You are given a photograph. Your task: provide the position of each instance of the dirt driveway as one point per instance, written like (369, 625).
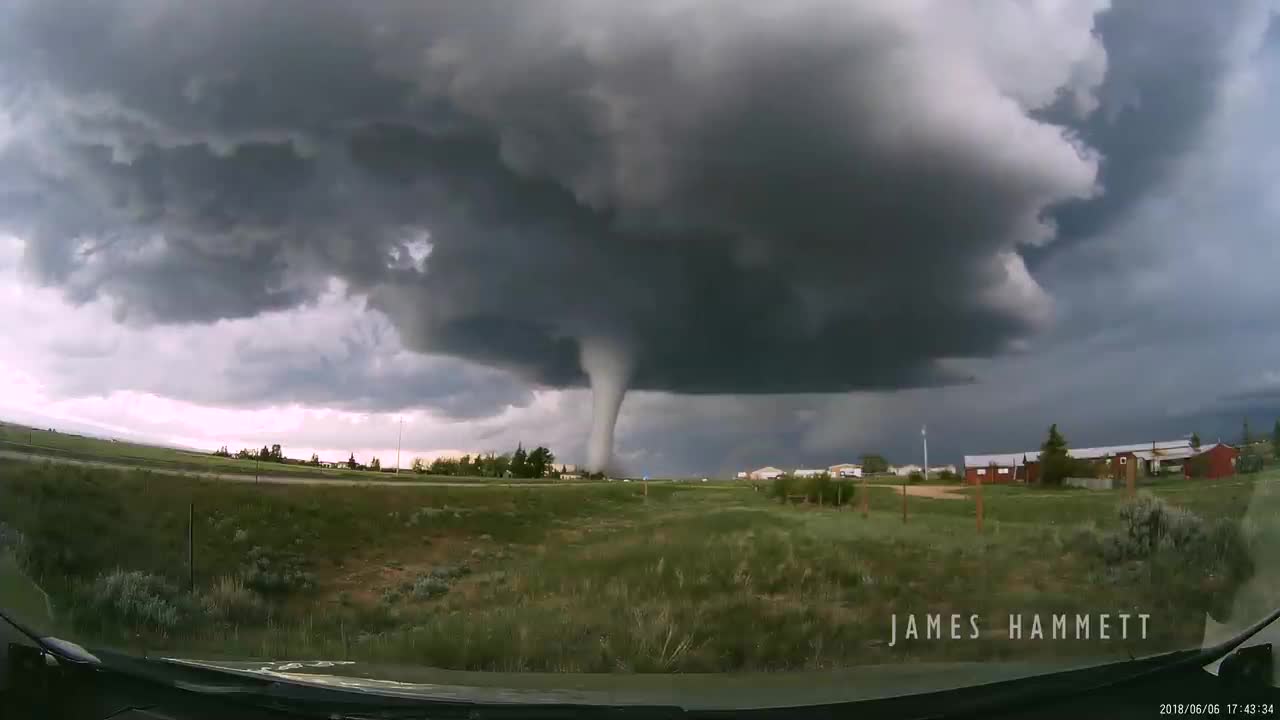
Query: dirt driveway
(937, 492)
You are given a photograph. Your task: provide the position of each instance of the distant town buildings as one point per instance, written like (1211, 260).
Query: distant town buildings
(1114, 461)
(845, 470)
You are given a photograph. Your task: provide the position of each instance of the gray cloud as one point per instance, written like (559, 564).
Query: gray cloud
(1166, 67)
(329, 353)
(822, 198)
(737, 199)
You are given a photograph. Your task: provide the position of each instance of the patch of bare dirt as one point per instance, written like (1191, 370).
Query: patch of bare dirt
(937, 492)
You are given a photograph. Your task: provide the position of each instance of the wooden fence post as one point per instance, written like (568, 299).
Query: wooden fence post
(864, 496)
(191, 547)
(979, 499)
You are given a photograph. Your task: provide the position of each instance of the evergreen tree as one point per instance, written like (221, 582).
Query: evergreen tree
(519, 462)
(1055, 462)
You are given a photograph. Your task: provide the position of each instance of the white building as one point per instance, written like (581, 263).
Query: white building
(766, 473)
(742, 475)
(845, 470)
(905, 470)
(809, 472)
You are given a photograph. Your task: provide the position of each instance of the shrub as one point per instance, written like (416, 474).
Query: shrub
(429, 586)
(916, 477)
(813, 488)
(1151, 526)
(778, 487)
(842, 492)
(1145, 519)
(133, 598)
(450, 572)
(229, 600)
(276, 573)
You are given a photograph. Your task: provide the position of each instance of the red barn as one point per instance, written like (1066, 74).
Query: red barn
(1213, 462)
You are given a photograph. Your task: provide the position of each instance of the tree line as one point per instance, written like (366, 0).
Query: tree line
(536, 463)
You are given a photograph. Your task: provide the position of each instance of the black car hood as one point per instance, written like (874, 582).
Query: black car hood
(689, 690)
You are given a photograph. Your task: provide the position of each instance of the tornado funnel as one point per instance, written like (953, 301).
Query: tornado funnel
(607, 364)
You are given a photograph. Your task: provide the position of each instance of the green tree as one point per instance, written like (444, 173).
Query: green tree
(1195, 440)
(1055, 463)
(265, 453)
(444, 466)
(539, 462)
(1245, 437)
(464, 465)
(315, 459)
(351, 462)
(418, 466)
(1275, 440)
(872, 463)
(277, 454)
(519, 462)
(375, 465)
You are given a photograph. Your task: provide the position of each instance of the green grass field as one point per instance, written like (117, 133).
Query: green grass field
(596, 577)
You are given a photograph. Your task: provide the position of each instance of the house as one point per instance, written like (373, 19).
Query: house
(1115, 461)
(565, 469)
(809, 472)
(766, 473)
(845, 470)
(905, 470)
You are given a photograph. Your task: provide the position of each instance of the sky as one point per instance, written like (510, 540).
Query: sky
(788, 234)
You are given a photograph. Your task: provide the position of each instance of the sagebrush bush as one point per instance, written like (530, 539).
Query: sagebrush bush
(134, 599)
(277, 573)
(230, 600)
(1151, 525)
(429, 586)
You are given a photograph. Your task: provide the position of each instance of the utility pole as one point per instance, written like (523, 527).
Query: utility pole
(399, 437)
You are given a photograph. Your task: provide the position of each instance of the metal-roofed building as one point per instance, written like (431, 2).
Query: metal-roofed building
(1114, 460)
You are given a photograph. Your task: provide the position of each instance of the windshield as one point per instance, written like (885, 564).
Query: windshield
(631, 338)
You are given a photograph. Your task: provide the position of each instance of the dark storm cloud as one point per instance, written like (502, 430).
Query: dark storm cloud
(736, 200)
(1166, 63)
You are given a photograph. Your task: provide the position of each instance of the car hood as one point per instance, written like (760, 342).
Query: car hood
(687, 690)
